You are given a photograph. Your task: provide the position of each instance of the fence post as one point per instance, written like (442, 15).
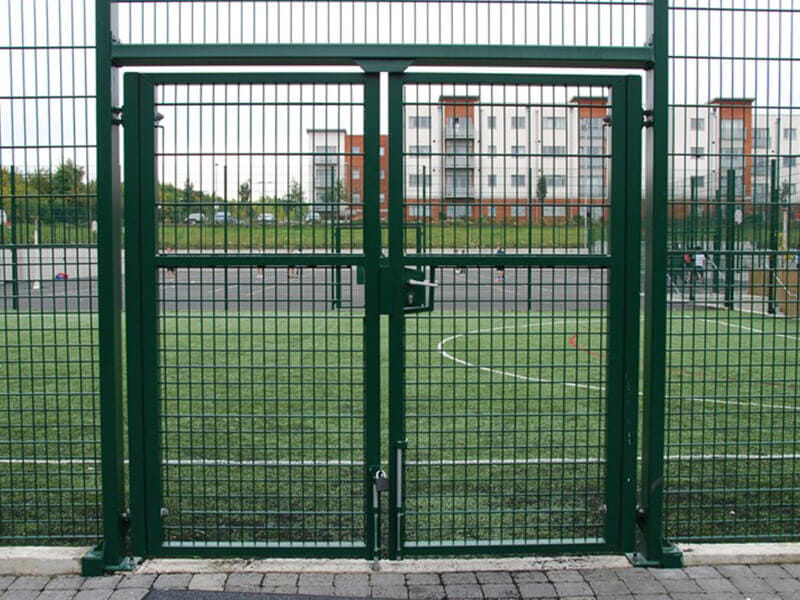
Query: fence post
(110, 554)
(773, 235)
(651, 547)
(730, 237)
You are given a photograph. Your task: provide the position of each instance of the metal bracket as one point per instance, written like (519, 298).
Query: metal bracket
(376, 65)
(647, 118)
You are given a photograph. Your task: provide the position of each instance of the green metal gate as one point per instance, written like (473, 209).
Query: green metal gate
(255, 342)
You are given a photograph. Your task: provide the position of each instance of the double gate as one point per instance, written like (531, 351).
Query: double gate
(278, 311)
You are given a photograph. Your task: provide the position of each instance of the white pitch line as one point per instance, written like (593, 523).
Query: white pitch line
(447, 355)
(753, 329)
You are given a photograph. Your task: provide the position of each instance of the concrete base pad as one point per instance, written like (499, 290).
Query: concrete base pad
(709, 555)
(39, 560)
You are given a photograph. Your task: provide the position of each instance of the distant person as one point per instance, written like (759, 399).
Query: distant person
(500, 269)
(699, 264)
(687, 267)
(294, 270)
(460, 266)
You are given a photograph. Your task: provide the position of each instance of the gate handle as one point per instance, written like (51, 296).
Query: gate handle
(422, 283)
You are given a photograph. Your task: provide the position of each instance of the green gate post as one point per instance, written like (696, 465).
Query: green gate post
(774, 226)
(652, 547)
(110, 555)
(530, 237)
(14, 265)
(730, 238)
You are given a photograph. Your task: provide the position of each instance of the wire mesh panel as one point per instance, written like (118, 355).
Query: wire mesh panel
(448, 22)
(259, 344)
(49, 433)
(510, 405)
(732, 370)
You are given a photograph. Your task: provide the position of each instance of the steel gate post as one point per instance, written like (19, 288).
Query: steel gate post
(652, 549)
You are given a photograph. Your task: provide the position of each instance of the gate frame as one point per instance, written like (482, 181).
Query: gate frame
(651, 547)
(621, 396)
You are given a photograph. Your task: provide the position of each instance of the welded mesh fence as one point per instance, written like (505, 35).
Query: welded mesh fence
(49, 435)
(732, 399)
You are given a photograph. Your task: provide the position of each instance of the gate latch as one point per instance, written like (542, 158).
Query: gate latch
(380, 481)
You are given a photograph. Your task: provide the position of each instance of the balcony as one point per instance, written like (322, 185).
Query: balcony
(462, 161)
(460, 191)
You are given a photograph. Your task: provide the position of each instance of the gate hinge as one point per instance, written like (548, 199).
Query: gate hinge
(647, 118)
(116, 118)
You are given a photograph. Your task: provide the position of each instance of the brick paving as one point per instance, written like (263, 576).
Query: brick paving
(735, 582)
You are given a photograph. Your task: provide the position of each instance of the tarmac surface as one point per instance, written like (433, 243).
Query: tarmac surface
(734, 582)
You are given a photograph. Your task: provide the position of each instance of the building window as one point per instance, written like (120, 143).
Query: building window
(697, 124)
(554, 123)
(416, 180)
(731, 161)
(517, 122)
(419, 149)
(383, 173)
(382, 198)
(591, 163)
(493, 149)
(554, 211)
(760, 193)
(518, 180)
(697, 151)
(492, 180)
(732, 129)
(418, 210)
(591, 186)
(491, 122)
(790, 161)
(738, 189)
(592, 150)
(697, 181)
(554, 150)
(356, 173)
(590, 127)
(517, 150)
(760, 165)
(417, 122)
(519, 211)
(761, 137)
(554, 181)
(491, 211)
(382, 151)
(356, 150)
(356, 197)
(790, 133)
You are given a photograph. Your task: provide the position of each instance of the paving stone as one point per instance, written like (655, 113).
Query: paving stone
(751, 584)
(138, 581)
(531, 576)
(599, 575)
(5, 581)
(644, 585)
(793, 570)
(99, 594)
(351, 580)
(280, 589)
(463, 590)
(716, 585)
(564, 576)
(280, 580)
(494, 577)
(459, 578)
(782, 584)
(20, 595)
(569, 589)
(209, 582)
(702, 572)
(731, 571)
(315, 590)
(537, 590)
(29, 583)
(243, 582)
(172, 581)
(356, 592)
(772, 571)
(500, 590)
(57, 595)
(681, 586)
(315, 579)
(608, 586)
(129, 594)
(398, 592)
(65, 582)
(423, 579)
(426, 592)
(387, 579)
(651, 597)
(664, 574)
(109, 582)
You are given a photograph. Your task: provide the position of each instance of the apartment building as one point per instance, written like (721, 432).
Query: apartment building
(466, 157)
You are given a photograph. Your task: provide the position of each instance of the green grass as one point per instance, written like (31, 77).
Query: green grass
(251, 395)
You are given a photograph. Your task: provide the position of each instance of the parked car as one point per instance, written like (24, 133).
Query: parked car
(265, 218)
(195, 219)
(221, 218)
(313, 217)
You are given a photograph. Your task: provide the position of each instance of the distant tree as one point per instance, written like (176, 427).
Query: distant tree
(541, 189)
(67, 183)
(245, 192)
(294, 201)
